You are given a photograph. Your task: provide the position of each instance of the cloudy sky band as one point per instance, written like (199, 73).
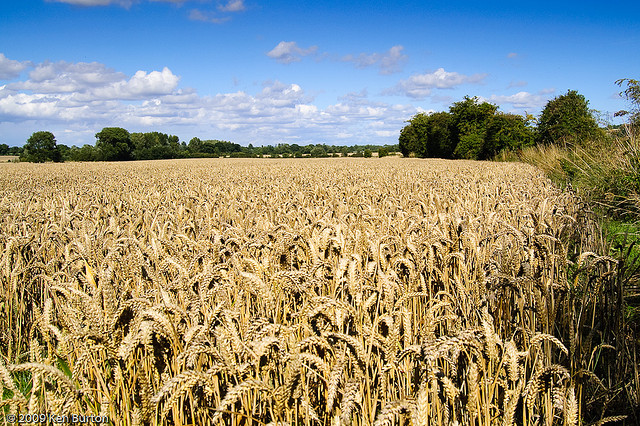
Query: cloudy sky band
(261, 73)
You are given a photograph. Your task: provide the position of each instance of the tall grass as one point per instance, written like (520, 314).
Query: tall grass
(605, 171)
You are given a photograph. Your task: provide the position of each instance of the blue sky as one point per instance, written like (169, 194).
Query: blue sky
(250, 71)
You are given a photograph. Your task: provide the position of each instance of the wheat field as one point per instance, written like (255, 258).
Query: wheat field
(299, 292)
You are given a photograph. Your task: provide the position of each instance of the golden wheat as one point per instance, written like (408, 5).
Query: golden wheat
(289, 292)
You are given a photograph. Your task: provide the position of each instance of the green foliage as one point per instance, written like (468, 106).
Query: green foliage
(86, 153)
(155, 145)
(41, 147)
(367, 153)
(469, 122)
(632, 94)
(567, 119)
(471, 129)
(439, 135)
(318, 151)
(114, 144)
(383, 152)
(413, 137)
(506, 131)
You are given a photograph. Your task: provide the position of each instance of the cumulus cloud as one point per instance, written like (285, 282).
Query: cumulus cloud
(64, 95)
(10, 68)
(287, 52)
(522, 100)
(388, 62)
(96, 81)
(421, 85)
(65, 77)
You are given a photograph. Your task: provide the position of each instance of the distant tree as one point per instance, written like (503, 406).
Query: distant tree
(41, 147)
(383, 152)
(16, 150)
(114, 144)
(4, 149)
(155, 145)
(86, 153)
(195, 145)
(318, 151)
(65, 152)
(567, 118)
(367, 153)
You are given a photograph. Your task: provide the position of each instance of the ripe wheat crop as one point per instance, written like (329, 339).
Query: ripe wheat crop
(288, 292)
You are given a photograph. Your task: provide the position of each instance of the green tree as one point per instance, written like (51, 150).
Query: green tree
(469, 120)
(195, 145)
(114, 144)
(632, 94)
(367, 153)
(383, 152)
(567, 118)
(413, 138)
(154, 145)
(41, 147)
(506, 131)
(318, 151)
(439, 135)
(86, 153)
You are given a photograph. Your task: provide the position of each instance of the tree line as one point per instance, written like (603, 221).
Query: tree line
(471, 129)
(477, 130)
(117, 144)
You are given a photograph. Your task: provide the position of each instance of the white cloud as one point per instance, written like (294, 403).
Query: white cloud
(287, 52)
(421, 85)
(521, 100)
(512, 55)
(10, 68)
(233, 6)
(89, 96)
(388, 62)
(90, 81)
(65, 77)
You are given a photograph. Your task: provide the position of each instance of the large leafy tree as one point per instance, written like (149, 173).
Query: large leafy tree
(470, 118)
(41, 147)
(568, 119)
(114, 144)
(506, 131)
(471, 129)
(413, 139)
(439, 135)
